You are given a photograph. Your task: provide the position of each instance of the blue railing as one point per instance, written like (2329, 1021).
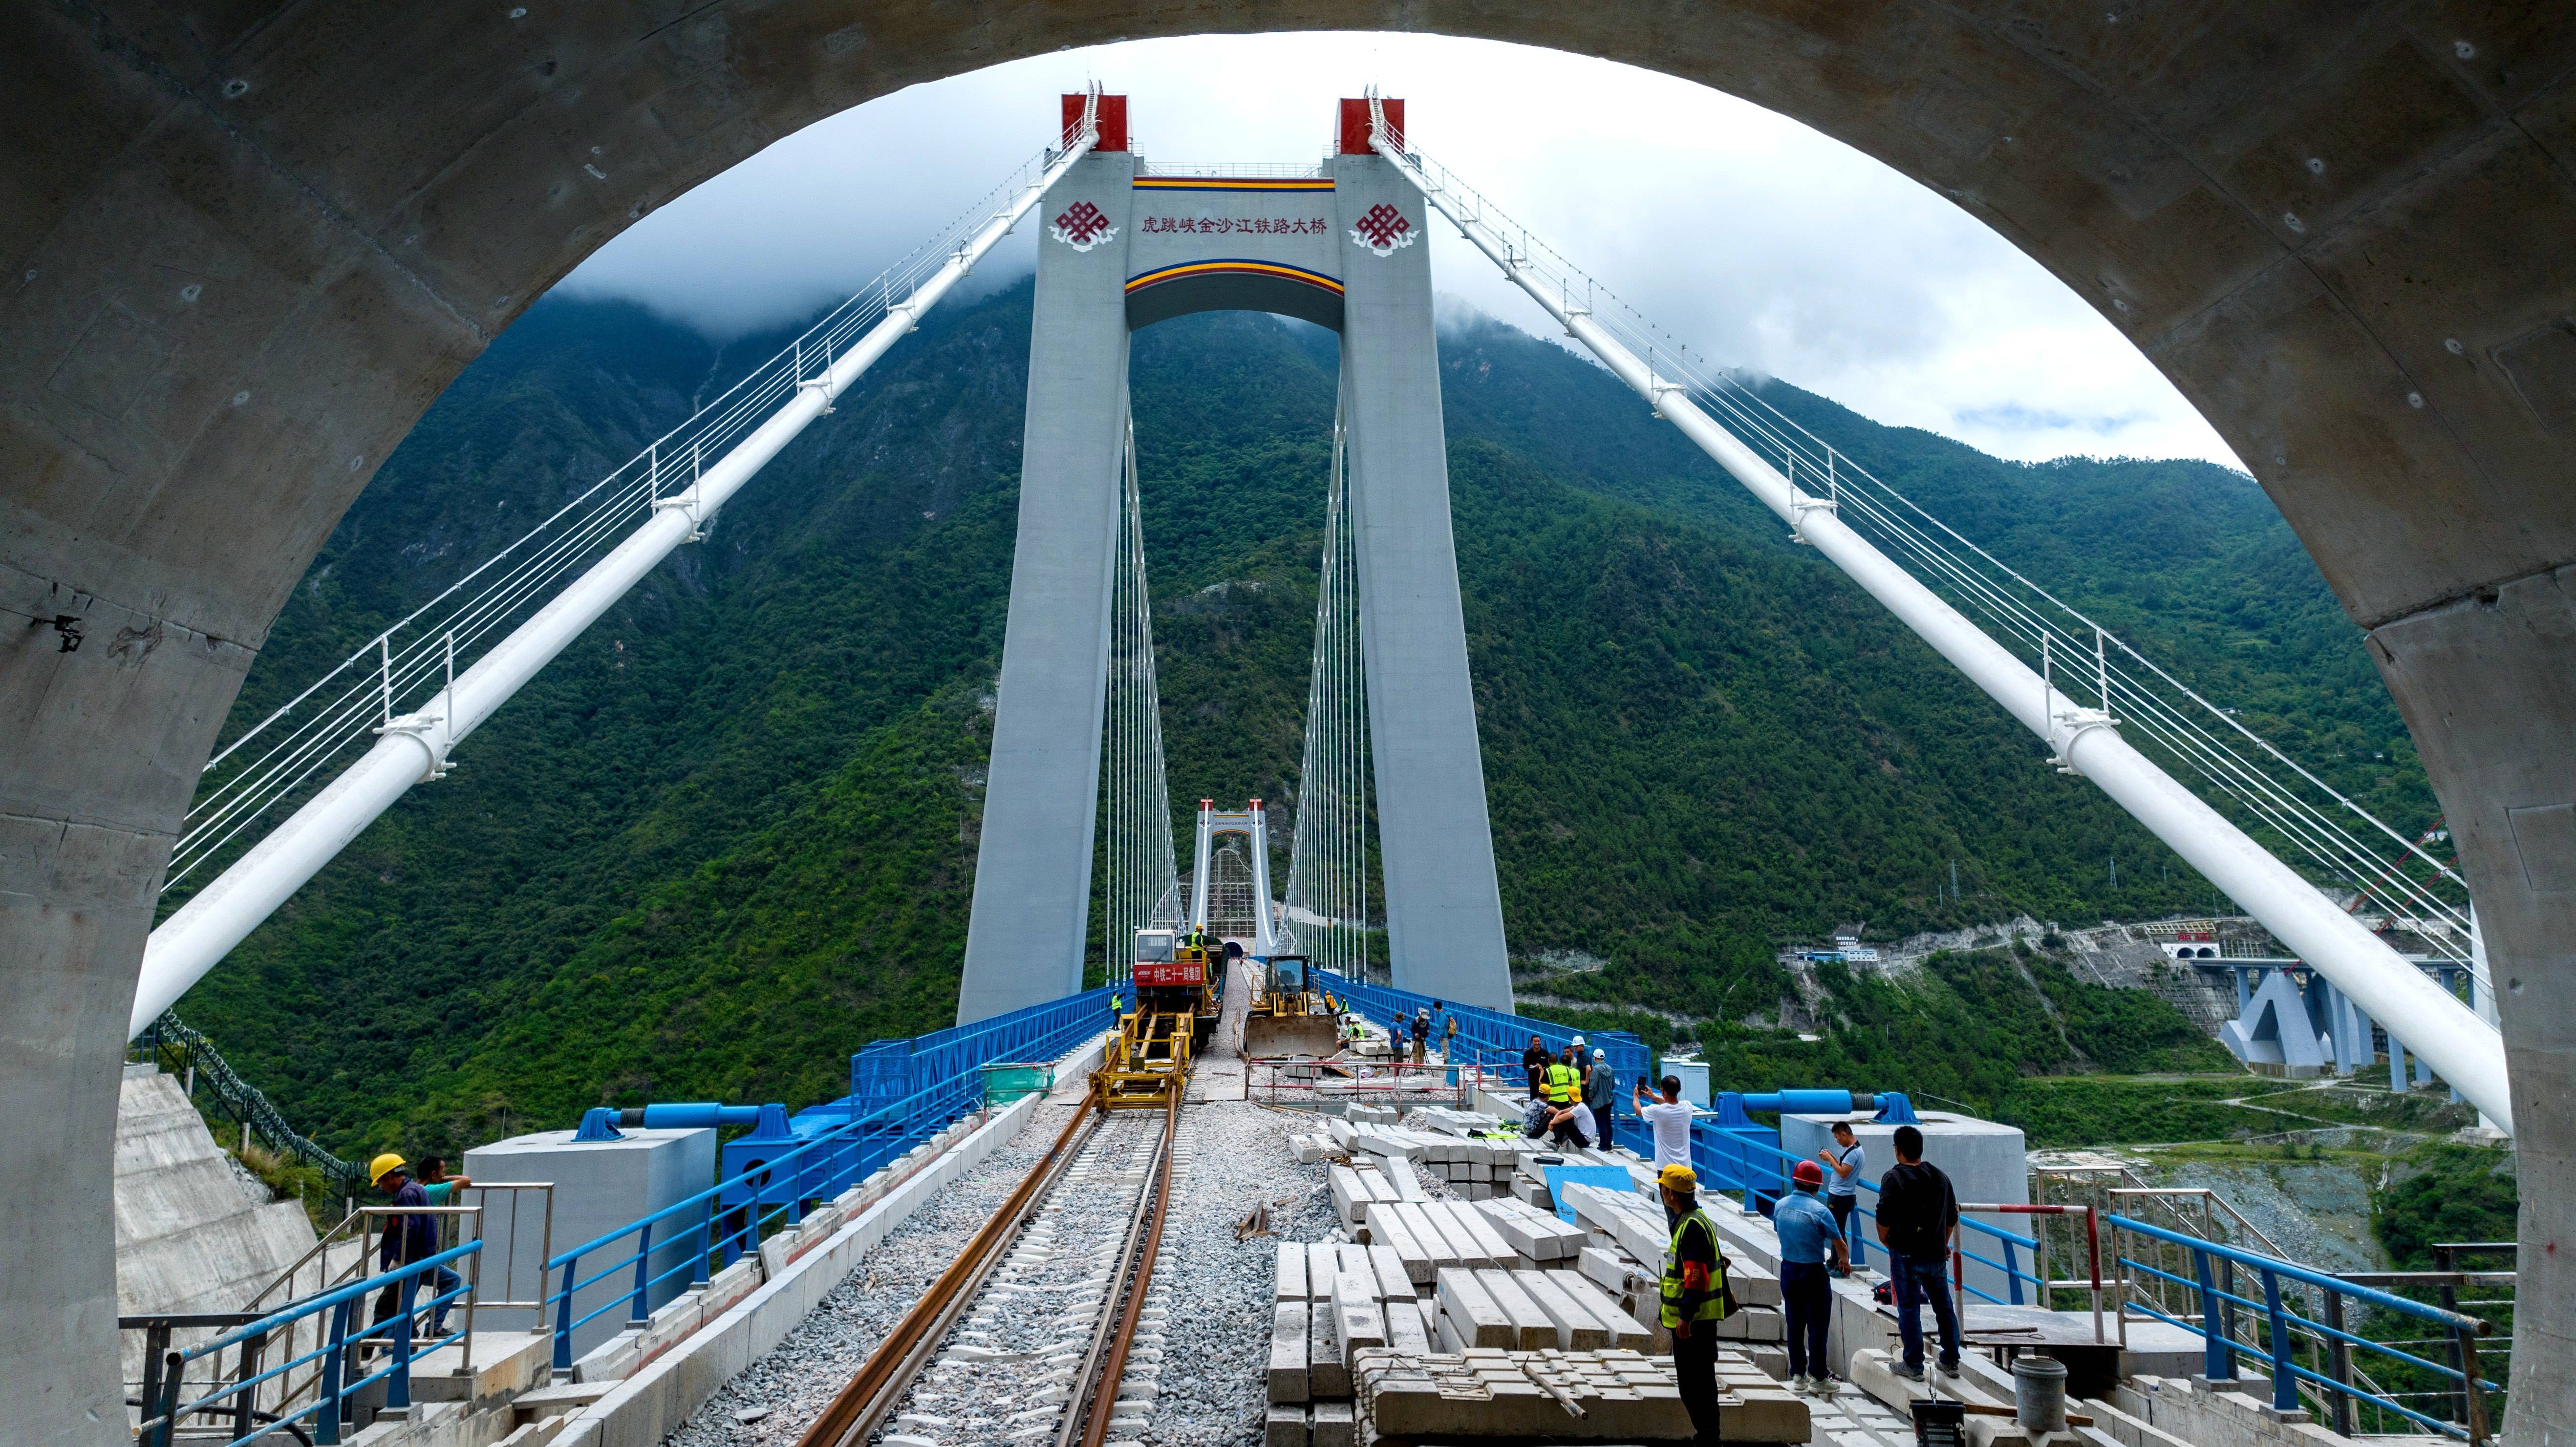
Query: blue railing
(773, 1193)
(1492, 1038)
(2283, 1328)
(339, 1356)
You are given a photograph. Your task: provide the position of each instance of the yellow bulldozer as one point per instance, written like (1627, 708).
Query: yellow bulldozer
(1287, 1016)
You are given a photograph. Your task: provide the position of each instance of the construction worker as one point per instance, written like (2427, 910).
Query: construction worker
(1812, 1247)
(1117, 1006)
(1564, 1083)
(1598, 1082)
(408, 1239)
(1695, 1297)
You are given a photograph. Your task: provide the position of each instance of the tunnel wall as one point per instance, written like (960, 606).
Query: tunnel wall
(247, 244)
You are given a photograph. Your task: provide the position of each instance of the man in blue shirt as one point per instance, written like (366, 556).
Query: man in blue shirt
(1810, 1245)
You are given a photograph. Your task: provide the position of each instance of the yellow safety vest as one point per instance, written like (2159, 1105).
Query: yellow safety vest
(1720, 1302)
(1561, 1083)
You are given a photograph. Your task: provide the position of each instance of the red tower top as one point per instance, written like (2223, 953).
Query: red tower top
(1113, 120)
(1355, 125)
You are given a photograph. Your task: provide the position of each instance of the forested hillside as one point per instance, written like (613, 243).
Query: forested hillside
(730, 836)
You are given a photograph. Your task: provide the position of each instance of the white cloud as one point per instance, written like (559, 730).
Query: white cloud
(1761, 242)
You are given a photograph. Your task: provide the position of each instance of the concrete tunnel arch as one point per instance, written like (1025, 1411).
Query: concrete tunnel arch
(246, 247)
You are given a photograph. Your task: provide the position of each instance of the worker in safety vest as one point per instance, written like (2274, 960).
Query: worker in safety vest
(1695, 1297)
(1563, 1082)
(1117, 1004)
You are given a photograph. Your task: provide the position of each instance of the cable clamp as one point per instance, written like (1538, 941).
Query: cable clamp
(1801, 504)
(2067, 727)
(686, 503)
(818, 384)
(428, 732)
(1655, 395)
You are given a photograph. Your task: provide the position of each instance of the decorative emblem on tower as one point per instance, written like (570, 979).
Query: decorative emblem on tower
(1383, 230)
(1082, 227)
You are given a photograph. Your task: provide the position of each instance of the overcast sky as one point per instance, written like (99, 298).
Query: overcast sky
(1763, 243)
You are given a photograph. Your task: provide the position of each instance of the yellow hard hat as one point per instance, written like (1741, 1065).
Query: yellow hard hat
(1678, 1177)
(382, 1165)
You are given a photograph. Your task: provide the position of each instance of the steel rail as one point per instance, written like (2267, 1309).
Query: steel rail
(882, 1381)
(2463, 1048)
(1100, 1378)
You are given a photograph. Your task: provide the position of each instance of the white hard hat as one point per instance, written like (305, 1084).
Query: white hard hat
(1600, 1054)
(1579, 1040)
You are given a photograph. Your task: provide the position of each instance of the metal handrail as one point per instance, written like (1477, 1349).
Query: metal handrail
(2284, 1328)
(163, 1409)
(782, 1178)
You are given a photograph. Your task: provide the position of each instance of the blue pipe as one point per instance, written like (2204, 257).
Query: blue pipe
(689, 1115)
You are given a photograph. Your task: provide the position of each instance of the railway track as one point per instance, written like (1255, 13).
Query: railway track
(1074, 1207)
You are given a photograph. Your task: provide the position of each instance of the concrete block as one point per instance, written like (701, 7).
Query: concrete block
(1400, 1174)
(1327, 1371)
(1489, 1243)
(1577, 1329)
(1625, 1333)
(1322, 1261)
(1357, 1322)
(1393, 1280)
(1288, 1352)
(1332, 1425)
(1754, 1323)
(1435, 1243)
(599, 1187)
(1387, 1231)
(1606, 1268)
(1532, 1330)
(1471, 1310)
(1290, 1281)
(1284, 1427)
(1407, 1330)
(1349, 1193)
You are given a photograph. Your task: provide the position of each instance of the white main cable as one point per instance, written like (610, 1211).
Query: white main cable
(2465, 1049)
(416, 745)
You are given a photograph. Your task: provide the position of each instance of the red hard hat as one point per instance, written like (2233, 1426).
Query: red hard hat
(1808, 1174)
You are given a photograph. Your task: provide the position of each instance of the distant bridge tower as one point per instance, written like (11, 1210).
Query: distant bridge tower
(1124, 249)
(1253, 823)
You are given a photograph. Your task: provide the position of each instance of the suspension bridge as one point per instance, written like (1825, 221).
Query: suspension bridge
(1390, 790)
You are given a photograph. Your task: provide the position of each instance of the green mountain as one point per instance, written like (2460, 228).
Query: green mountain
(730, 835)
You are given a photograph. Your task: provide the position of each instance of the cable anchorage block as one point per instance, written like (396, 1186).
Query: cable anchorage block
(2069, 725)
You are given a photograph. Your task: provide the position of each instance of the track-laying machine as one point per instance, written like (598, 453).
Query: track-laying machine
(1178, 986)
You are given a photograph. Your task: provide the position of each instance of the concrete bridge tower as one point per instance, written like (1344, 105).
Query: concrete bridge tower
(1125, 248)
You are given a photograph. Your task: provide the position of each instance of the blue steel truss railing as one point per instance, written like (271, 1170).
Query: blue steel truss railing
(2280, 1332)
(774, 1193)
(339, 1355)
(1491, 1037)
